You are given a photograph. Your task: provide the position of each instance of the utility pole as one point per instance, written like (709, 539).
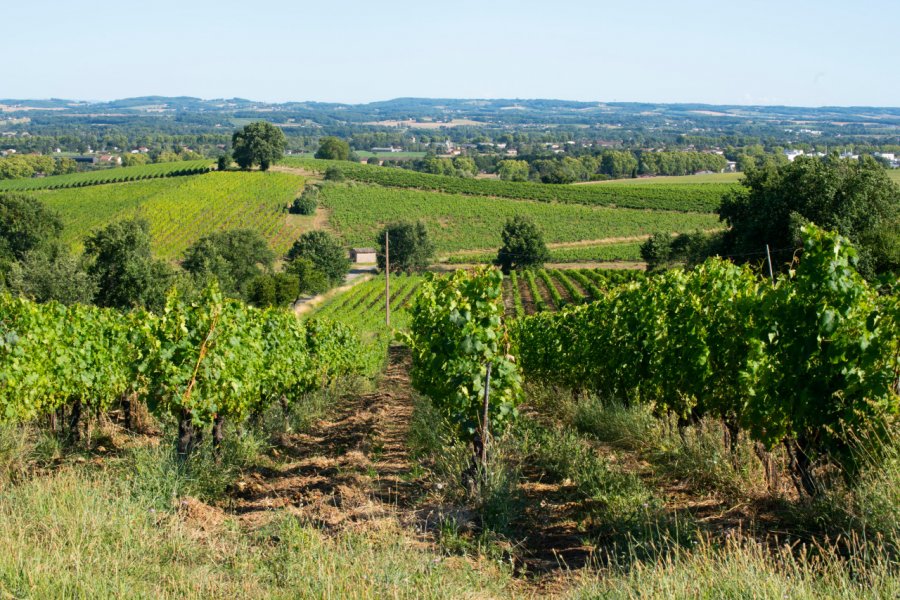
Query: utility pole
(387, 279)
(771, 273)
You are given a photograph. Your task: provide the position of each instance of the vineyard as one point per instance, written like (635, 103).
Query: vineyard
(362, 309)
(811, 363)
(65, 362)
(584, 252)
(703, 197)
(181, 210)
(458, 222)
(530, 292)
(114, 175)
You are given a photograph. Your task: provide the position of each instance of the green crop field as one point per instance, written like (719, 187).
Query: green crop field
(104, 176)
(625, 251)
(180, 210)
(703, 197)
(459, 222)
(362, 308)
(895, 175)
(675, 179)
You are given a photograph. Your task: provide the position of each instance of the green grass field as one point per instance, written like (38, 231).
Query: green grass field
(180, 210)
(457, 222)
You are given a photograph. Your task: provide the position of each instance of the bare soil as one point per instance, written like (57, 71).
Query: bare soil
(349, 471)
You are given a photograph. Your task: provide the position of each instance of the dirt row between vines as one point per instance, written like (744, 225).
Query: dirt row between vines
(353, 471)
(350, 470)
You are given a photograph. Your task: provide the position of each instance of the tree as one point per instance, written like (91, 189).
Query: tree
(278, 289)
(65, 166)
(657, 250)
(854, 198)
(332, 148)
(233, 257)
(410, 247)
(523, 245)
(463, 166)
(259, 143)
(306, 277)
(133, 160)
(25, 224)
(514, 170)
(54, 274)
(223, 163)
(325, 252)
(121, 264)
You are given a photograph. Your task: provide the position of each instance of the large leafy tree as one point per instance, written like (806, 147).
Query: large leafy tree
(121, 263)
(332, 148)
(855, 198)
(233, 257)
(52, 274)
(25, 224)
(324, 251)
(514, 170)
(523, 245)
(410, 247)
(259, 143)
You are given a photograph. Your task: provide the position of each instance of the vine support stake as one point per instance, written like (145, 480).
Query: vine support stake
(771, 272)
(485, 422)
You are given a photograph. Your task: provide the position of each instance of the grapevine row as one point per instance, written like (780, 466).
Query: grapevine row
(114, 175)
(200, 361)
(812, 362)
(704, 197)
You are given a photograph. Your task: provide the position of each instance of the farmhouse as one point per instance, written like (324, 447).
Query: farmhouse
(362, 255)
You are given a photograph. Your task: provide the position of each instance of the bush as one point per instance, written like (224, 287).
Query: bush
(334, 173)
(306, 203)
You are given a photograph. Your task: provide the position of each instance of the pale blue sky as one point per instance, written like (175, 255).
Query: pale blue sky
(797, 52)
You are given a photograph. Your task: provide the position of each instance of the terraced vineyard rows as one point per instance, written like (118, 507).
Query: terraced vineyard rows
(362, 308)
(625, 251)
(182, 210)
(460, 222)
(704, 197)
(114, 175)
(530, 292)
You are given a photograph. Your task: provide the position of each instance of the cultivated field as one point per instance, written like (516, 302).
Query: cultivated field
(113, 175)
(462, 222)
(703, 197)
(182, 209)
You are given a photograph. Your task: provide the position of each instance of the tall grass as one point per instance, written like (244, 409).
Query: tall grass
(74, 534)
(743, 568)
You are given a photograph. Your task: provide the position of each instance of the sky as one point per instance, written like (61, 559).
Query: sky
(791, 52)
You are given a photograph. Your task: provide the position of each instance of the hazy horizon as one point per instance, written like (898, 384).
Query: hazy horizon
(802, 54)
(434, 98)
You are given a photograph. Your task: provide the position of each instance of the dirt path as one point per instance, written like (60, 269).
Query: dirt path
(350, 470)
(295, 171)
